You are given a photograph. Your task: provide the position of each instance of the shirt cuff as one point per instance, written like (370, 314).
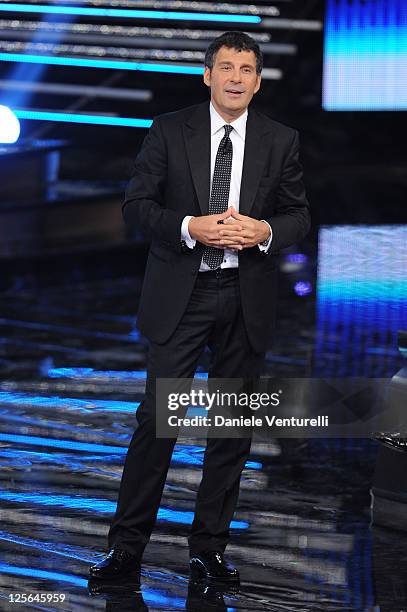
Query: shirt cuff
(190, 242)
(264, 246)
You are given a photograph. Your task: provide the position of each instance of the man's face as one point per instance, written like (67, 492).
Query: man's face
(233, 80)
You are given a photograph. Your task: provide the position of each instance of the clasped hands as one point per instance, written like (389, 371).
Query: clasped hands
(237, 231)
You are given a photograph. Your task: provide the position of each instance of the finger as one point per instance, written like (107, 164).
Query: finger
(235, 247)
(231, 231)
(230, 220)
(231, 243)
(232, 240)
(237, 215)
(225, 214)
(212, 240)
(238, 237)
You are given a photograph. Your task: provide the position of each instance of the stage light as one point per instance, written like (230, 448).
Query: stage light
(166, 33)
(127, 13)
(96, 63)
(21, 58)
(9, 126)
(297, 258)
(79, 118)
(365, 52)
(302, 288)
(361, 299)
(92, 375)
(293, 262)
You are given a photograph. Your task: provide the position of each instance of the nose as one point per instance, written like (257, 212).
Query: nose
(235, 77)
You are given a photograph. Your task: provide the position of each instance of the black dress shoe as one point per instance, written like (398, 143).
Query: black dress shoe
(210, 566)
(118, 563)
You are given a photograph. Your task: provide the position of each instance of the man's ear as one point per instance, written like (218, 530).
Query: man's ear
(257, 87)
(207, 76)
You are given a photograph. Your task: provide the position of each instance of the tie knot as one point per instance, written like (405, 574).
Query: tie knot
(228, 129)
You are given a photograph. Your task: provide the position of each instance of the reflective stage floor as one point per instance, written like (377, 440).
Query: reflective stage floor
(73, 372)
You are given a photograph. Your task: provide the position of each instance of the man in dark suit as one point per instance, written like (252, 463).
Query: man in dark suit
(218, 187)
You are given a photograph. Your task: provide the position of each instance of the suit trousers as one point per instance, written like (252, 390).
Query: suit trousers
(213, 318)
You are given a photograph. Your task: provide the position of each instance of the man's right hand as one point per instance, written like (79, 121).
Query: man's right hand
(206, 229)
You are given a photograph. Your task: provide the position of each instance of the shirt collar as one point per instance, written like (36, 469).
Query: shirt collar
(217, 122)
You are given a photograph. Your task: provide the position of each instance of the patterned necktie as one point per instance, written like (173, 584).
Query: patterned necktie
(219, 199)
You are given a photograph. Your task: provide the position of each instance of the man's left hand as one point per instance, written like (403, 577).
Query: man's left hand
(252, 232)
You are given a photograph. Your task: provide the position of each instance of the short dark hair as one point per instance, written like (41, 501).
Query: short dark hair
(234, 40)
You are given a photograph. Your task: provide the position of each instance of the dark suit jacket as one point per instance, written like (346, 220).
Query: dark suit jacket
(171, 179)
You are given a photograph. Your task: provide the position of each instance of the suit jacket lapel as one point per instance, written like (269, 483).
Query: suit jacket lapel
(255, 152)
(198, 145)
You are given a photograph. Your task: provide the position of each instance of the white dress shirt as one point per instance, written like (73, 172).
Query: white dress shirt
(237, 136)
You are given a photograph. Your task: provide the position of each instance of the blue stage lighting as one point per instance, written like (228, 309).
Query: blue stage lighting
(303, 288)
(97, 63)
(31, 572)
(9, 126)
(79, 118)
(127, 13)
(91, 374)
(365, 55)
(97, 504)
(65, 444)
(361, 299)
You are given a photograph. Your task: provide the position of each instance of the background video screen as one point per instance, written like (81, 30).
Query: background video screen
(365, 55)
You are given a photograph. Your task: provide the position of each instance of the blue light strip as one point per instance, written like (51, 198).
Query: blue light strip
(65, 444)
(127, 13)
(43, 574)
(78, 118)
(97, 63)
(95, 504)
(91, 374)
(183, 454)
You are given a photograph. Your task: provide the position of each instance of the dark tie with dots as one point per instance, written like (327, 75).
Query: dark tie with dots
(219, 199)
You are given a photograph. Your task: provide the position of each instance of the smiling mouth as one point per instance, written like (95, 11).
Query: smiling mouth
(234, 91)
